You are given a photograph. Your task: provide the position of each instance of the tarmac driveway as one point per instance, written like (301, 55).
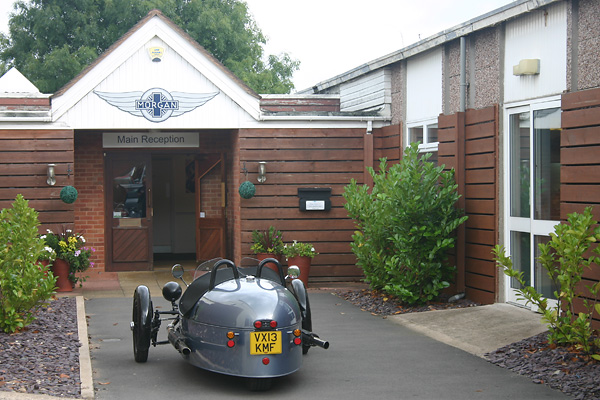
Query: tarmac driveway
(369, 357)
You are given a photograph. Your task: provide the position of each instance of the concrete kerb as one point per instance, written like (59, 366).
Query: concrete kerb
(85, 362)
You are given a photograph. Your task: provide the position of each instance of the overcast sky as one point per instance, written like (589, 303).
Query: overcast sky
(330, 37)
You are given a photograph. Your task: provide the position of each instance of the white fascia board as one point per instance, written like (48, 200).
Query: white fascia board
(24, 119)
(155, 27)
(38, 125)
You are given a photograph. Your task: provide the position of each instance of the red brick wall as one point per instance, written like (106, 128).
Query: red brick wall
(89, 182)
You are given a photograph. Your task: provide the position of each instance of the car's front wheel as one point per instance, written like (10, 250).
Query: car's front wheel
(141, 323)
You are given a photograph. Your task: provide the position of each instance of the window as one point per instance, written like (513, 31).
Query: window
(426, 134)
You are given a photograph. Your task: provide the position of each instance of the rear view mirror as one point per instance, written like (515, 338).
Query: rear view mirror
(177, 271)
(293, 271)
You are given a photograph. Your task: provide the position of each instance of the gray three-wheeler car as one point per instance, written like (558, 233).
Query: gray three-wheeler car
(250, 321)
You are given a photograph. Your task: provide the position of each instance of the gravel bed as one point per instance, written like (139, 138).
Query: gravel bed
(44, 357)
(378, 303)
(560, 368)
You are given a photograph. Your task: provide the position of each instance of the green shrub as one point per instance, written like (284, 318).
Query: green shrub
(299, 249)
(267, 241)
(565, 257)
(25, 285)
(406, 227)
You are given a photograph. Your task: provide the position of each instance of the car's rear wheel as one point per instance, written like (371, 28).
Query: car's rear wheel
(141, 323)
(259, 384)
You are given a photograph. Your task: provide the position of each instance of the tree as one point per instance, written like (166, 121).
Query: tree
(51, 41)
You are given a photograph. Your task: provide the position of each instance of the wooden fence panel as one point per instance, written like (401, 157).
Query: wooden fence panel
(306, 158)
(469, 144)
(388, 144)
(580, 161)
(24, 159)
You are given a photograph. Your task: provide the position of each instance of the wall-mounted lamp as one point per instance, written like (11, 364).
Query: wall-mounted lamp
(51, 175)
(530, 66)
(262, 171)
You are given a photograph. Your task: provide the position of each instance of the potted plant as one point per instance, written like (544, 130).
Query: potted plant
(267, 243)
(300, 254)
(47, 256)
(72, 257)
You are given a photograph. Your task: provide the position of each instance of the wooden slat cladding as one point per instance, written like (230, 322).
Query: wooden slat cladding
(388, 144)
(580, 161)
(469, 143)
(24, 159)
(301, 158)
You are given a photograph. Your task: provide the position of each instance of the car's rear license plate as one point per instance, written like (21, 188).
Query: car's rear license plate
(268, 342)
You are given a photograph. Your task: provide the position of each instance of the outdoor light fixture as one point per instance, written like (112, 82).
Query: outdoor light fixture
(51, 176)
(529, 66)
(262, 171)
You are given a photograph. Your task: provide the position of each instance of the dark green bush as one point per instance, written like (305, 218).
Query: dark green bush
(406, 227)
(25, 284)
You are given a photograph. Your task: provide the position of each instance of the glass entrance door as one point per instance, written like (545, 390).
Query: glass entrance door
(533, 188)
(129, 212)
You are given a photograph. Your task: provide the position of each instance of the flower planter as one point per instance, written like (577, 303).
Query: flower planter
(60, 269)
(303, 262)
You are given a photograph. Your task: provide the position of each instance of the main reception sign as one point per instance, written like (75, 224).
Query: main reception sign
(156, 104)
(146, 139)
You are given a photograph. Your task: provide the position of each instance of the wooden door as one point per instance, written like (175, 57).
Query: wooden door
(129, 212)
(211, 220)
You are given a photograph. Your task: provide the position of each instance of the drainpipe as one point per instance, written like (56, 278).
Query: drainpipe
(463, 74)
(460, 170)
(368, 154)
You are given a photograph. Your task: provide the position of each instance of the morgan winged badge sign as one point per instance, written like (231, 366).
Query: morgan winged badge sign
(156, 105)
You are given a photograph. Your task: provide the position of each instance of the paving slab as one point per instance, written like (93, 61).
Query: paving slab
(477, 330)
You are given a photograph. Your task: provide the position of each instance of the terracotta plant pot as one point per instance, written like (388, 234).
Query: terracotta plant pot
(303, 263)
(60, 269)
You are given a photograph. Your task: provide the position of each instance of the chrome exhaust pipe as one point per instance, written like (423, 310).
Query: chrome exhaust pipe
(178, 341)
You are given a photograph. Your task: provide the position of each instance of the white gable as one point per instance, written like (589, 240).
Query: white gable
(118, 92)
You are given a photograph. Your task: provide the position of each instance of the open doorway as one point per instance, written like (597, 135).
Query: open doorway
(174, 210)
(164, 208)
